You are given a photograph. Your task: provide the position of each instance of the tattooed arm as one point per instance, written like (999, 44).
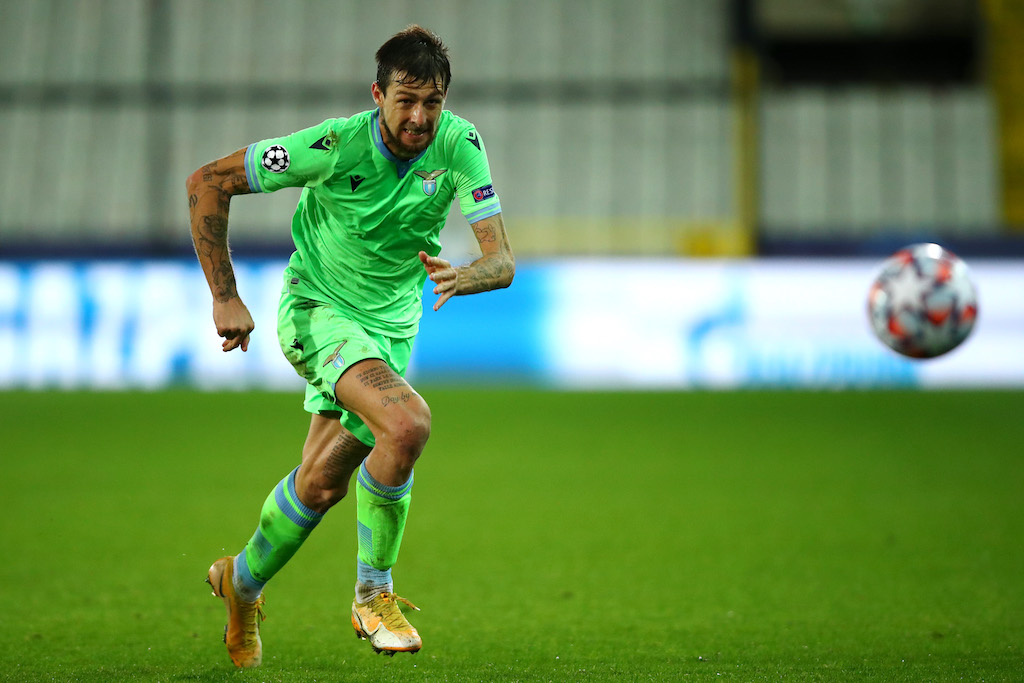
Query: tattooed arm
(493, 270)
(209, 194)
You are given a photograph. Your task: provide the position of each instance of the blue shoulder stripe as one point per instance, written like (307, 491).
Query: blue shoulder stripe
(250, 169)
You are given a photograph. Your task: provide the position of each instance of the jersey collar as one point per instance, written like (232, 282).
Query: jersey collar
(401, 165)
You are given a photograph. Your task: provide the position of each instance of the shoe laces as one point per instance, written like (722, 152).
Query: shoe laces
(251, 614)
(386, 605)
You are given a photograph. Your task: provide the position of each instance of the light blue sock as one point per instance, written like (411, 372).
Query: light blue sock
(371, 581)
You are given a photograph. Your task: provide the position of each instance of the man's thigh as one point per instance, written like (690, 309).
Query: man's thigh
(397, 416)
(324, 345)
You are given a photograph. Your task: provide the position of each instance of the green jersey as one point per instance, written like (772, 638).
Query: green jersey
(364, 214)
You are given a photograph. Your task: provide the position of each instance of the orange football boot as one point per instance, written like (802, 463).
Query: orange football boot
(382, 623)
(242, 632)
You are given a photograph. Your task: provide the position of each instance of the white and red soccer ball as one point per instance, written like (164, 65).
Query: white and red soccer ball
(922, 303)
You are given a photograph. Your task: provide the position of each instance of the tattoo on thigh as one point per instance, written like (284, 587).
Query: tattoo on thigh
(381, 378)
(402, 397)
(345, 457)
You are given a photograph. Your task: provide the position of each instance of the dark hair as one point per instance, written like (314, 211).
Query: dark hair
(417, 54)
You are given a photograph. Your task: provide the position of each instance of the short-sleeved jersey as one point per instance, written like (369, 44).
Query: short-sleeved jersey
(364, 214)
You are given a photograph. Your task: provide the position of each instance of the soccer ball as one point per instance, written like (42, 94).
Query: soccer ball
(276, 159)
(922, 304)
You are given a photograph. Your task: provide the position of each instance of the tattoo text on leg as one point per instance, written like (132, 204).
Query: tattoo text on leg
(345, 457)
(384, 379)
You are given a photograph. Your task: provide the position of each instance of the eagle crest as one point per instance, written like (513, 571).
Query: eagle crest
(430, 180)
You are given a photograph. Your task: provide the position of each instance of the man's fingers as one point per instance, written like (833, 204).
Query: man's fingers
(231, 344)
(429, 262)
(233, 323)
(443, 276)
(233, 339)
(434, 264)
(441, 299)
(447, 282)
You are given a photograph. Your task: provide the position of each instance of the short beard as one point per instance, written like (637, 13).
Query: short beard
(404, 151)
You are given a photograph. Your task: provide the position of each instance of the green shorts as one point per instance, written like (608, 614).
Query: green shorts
(322, 342)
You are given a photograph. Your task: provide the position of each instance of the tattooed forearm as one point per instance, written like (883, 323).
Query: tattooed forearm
(496, 268)
(489, 272)
(210, 191)
(485, 231)
(224, 281)
(239, 184)
(210, 235)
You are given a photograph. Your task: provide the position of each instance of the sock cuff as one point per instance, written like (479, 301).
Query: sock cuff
(245, 583)
(389, 493)
(288, 501)
(369, 576)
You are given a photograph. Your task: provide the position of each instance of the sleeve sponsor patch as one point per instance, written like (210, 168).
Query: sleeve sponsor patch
(482, 193)
(276, 159)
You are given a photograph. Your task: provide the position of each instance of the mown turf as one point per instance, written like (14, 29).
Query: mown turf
(554, 537)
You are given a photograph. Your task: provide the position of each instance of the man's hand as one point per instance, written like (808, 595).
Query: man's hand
(233, 323)
(443, 275)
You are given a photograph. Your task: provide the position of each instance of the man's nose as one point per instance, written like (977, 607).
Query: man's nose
(417, 116)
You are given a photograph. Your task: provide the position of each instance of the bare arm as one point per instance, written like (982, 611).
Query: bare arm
(209, 195)
(493, 270)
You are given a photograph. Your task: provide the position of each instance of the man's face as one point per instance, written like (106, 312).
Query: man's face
(408, 115)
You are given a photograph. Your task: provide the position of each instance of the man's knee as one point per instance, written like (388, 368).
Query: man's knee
(406, 427)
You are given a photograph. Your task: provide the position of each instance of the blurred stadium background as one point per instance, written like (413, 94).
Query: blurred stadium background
(709, 184)
(699, 193)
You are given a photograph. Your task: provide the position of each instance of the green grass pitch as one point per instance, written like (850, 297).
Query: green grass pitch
(747, 536)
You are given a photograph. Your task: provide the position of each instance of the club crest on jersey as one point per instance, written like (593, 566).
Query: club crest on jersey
(276, 159)
(430, 180)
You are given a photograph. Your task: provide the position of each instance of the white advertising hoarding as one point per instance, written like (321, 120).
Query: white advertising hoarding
(799, 323)
(592, 324)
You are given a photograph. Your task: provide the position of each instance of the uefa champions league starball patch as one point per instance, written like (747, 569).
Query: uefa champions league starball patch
(276, 159)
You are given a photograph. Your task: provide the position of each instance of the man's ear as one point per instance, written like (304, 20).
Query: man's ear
(378, 94)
